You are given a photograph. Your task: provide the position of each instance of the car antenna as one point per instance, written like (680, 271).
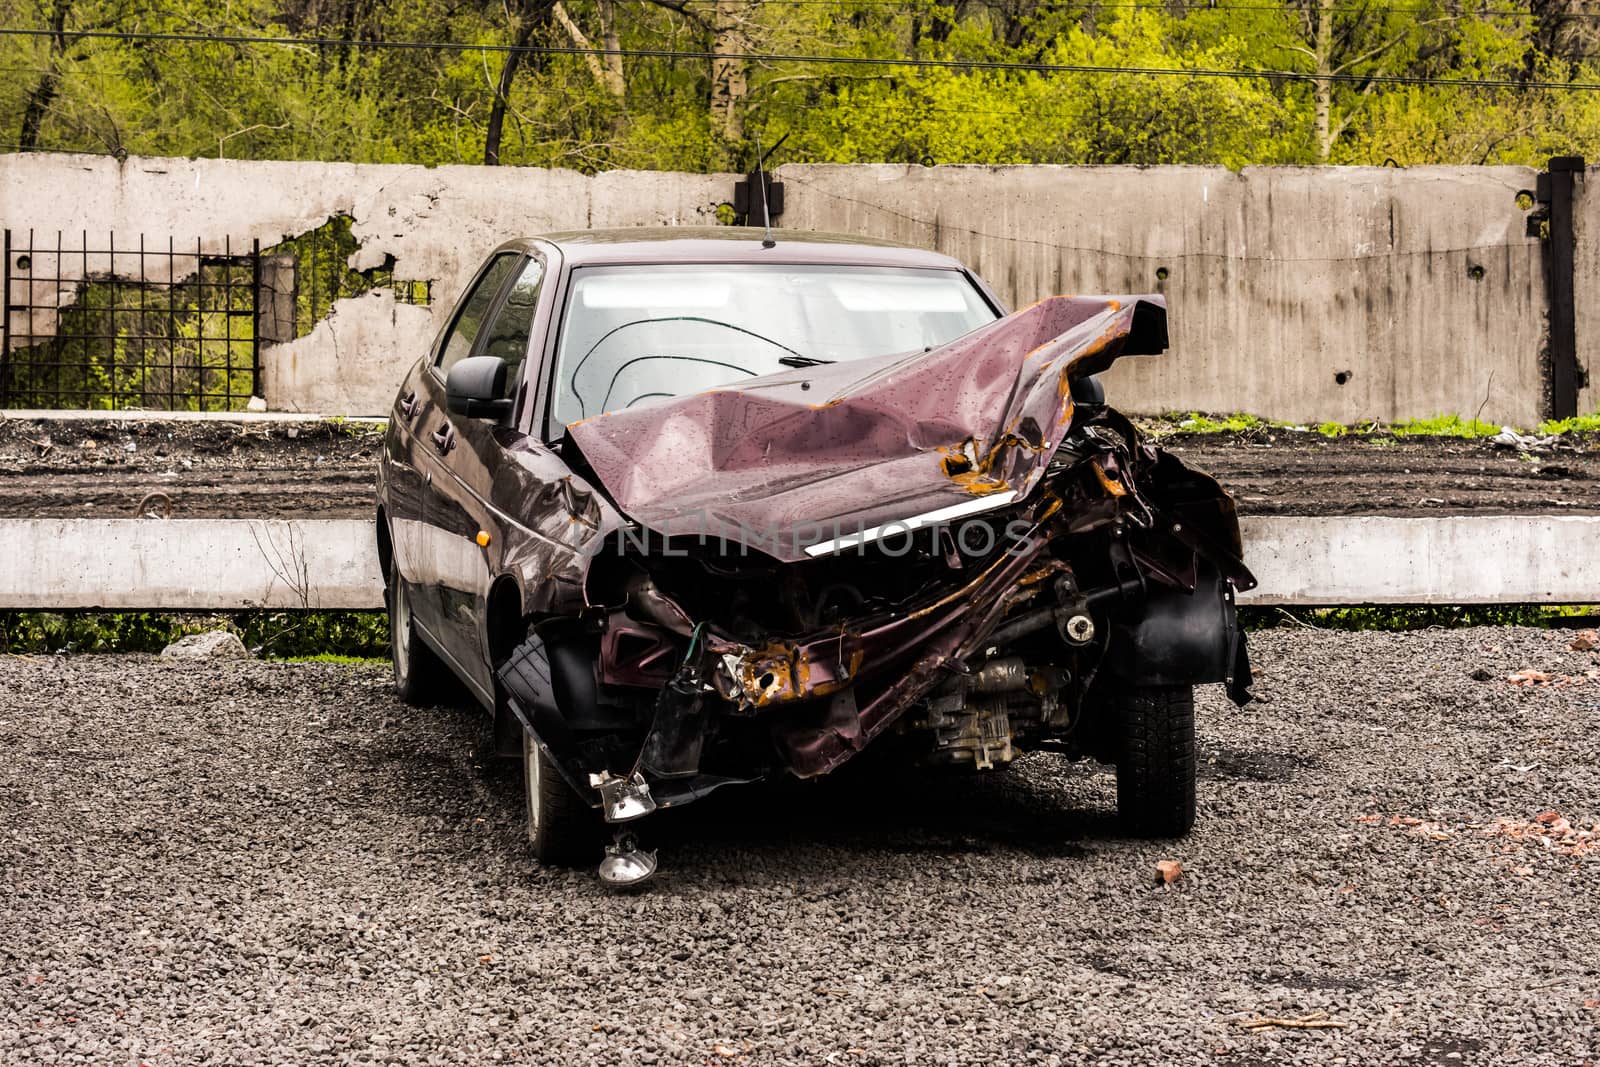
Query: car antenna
(767, 240)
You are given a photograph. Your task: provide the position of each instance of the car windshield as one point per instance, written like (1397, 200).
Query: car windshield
(636, 335)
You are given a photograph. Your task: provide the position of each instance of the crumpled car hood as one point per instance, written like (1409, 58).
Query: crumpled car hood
(807, 455)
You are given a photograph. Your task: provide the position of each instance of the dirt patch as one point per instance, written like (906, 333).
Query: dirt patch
(1294, 473)
(106, 469)
(87, 468)
(1250, 765)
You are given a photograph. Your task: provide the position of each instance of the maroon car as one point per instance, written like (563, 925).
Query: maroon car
(686, 508)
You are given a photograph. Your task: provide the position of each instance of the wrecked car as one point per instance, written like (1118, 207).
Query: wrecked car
(689, 509)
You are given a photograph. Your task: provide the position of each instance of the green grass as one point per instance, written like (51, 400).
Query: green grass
(1580, 424)
(1398, 618)
(1438, 426)
(1443, 426)
(351, 428)
(342, 635)
(1199, 422)
(360, 638)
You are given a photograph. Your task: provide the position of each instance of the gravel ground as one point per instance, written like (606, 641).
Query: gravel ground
(277, 863)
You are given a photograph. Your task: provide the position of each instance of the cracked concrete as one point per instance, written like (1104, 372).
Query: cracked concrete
(350, 360)
(1298, 293)
(437, 224)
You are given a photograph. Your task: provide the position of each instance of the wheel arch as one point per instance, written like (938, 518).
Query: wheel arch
(502, 618)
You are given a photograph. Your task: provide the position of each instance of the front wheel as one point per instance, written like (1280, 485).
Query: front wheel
(420, 678)
(564, 831)
(1156, 760)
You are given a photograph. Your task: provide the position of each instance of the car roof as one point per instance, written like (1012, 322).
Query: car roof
(734, 244)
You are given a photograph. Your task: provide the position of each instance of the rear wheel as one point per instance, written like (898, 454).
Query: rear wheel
(564, 831)
(1156, 760)
(420, 678)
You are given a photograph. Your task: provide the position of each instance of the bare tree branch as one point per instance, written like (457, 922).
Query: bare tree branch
(607, 74)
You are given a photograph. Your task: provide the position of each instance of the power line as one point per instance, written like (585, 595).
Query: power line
(1011, 66)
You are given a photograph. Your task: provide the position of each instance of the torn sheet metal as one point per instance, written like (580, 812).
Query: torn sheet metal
(804, 456)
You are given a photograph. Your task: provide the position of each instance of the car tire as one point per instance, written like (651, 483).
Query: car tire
(420, 677)
(564, 831)
(1156, 760)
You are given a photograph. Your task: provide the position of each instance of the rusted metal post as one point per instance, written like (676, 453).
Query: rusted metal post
(1560, 183)
(255, 318)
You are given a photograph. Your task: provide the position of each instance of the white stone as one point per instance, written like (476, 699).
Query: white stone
(213, 644)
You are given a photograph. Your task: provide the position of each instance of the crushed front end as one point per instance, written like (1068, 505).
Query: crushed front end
(982, 590)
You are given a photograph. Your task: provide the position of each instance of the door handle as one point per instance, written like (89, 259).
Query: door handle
(444, 438)
(409, 405)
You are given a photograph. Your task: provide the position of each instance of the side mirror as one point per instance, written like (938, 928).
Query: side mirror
(475, 387)
(1088, 390)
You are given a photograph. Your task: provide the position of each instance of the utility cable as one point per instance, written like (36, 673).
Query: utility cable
(1011, 66)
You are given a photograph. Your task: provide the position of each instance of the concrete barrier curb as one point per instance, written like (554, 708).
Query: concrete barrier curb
(193, 564)
(226, 564)
(1474, 559)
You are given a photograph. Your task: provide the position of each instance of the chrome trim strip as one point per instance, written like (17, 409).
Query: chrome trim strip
(915, 522)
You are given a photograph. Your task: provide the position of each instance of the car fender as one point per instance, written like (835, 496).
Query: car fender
(1179, 638)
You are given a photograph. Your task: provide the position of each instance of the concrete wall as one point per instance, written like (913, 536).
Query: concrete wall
(1296, 293)
(1278, 278)
(1379, 559)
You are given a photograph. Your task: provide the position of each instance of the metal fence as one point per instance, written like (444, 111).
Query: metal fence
(121, 324)
(90, 325)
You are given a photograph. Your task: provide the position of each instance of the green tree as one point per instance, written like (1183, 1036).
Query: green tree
(601, 100)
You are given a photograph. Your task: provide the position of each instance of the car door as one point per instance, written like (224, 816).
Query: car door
(470, 453)
(440, 548)
(401, 489)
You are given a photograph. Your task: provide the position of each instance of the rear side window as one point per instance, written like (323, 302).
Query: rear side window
(507, 336)
(473, 310)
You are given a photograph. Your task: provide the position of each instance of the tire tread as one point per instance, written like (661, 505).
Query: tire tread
(1156, 760)
(567, 832)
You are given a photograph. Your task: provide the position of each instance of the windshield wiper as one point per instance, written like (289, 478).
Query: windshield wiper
(803, 361)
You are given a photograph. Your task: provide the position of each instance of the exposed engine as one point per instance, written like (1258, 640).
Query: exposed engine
(703, 662)
(963, 552)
